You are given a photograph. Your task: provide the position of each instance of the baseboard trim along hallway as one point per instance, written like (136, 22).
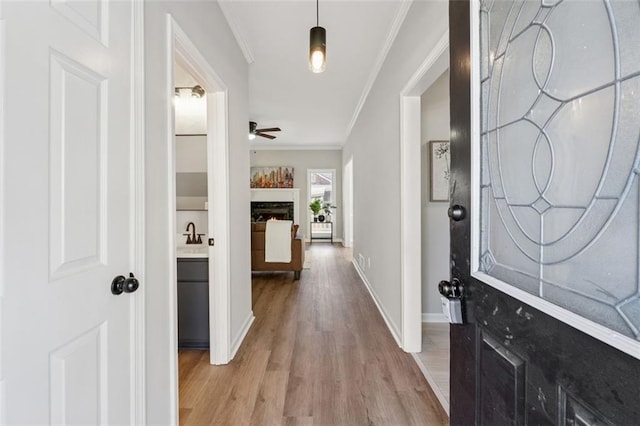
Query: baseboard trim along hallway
(242, 334)
(387, 319)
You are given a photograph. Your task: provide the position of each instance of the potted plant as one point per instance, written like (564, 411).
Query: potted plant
(315, 206)
(328, 210)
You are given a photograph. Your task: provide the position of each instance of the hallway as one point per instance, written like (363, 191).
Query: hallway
(318, 353)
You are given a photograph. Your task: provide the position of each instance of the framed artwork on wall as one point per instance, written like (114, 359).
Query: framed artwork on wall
(272, 177)
(439, 164)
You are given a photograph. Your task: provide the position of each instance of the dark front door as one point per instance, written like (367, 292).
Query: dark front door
(545, 123)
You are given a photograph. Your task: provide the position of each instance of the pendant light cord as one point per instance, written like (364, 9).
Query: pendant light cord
(317, 13)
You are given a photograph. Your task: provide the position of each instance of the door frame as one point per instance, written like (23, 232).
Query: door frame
(334, 190)
(137, 215)
(3, 141)
(180, 46)
(434, 64)
(347, 203)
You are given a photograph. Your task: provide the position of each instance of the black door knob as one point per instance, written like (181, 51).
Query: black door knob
(131, 284)
(451, 289)
(120, 284)
(457, 212)
(117, 285)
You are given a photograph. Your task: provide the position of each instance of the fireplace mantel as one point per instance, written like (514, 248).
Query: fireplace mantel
(279, 194)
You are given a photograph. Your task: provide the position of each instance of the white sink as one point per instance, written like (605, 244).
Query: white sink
(199, 250)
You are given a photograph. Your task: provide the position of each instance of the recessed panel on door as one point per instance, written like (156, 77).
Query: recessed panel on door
(77, 167)
(79, 379)
(90, 16)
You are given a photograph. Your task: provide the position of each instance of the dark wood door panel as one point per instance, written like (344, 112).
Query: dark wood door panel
(511, 363)
(501, 383)
(606, 381)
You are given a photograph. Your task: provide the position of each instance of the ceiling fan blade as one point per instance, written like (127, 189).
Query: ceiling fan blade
(270, 129)
(265, 135)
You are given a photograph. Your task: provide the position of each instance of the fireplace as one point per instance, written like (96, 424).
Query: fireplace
(261, 211)
(278, 197)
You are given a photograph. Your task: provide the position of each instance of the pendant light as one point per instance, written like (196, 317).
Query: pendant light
(317, 45)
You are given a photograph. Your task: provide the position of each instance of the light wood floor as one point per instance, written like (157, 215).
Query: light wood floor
(317, 353)
(434, 359)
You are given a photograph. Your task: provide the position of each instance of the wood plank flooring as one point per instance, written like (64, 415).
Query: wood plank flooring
(318, 353)
(434, 359)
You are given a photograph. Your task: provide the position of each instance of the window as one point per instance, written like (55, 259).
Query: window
(321, 186)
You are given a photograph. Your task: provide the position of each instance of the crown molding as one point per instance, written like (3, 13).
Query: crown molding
(436, 53)
(237, 33)
(384, 51)
(261, 147)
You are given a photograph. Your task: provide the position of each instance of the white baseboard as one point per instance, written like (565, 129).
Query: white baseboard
(3, 405)
(432, 382)
(387, 319)
(242, 334)
(434, 318)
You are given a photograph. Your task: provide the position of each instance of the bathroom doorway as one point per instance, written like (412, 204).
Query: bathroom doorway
(200, 213)
(192, 202)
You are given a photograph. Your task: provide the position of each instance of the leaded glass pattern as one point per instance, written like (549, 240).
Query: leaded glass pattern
(560, 131)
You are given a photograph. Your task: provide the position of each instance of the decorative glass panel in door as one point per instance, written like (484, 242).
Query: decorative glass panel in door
(559, 126)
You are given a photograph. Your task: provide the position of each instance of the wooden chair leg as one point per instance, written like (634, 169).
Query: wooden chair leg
(296, 275)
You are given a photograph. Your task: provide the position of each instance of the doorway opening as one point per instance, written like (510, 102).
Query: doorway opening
(199, 159)
(419, 290)
(347, 202)
(192, 228)
(433, 359)
(322, 189)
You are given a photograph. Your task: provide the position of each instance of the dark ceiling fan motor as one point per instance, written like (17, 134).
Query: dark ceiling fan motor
(253, 129)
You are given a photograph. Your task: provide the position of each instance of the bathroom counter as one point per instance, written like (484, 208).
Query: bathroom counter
(193, 251)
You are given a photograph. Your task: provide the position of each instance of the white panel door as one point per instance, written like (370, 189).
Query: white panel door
(67, 344)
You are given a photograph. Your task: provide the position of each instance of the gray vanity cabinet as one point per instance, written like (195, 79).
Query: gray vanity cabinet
(193, 303)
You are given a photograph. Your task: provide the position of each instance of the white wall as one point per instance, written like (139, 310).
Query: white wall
(435, 222)
(207, 28)
(375, 145)
(301, 161)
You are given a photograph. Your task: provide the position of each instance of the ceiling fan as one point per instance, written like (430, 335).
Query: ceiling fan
(254, 131)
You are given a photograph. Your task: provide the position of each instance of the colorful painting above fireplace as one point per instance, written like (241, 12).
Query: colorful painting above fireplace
(272, 177)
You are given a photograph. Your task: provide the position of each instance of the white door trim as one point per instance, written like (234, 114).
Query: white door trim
(347, 203)
(436, 62)
(137, 220)
(2, 207)
(180, 46)
(217, 181)
(410, 224)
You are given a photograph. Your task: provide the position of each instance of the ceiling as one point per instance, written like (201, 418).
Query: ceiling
(313, 110)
